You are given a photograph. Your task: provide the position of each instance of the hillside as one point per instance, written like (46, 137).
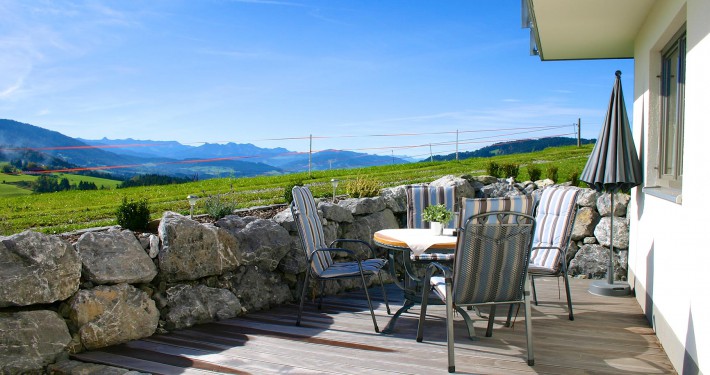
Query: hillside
(515, 147)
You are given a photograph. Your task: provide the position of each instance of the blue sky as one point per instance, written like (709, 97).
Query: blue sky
(253, 71)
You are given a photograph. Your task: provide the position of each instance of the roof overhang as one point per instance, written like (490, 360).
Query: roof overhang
(584, 29)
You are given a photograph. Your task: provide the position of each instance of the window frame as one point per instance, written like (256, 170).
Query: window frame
(672, 111)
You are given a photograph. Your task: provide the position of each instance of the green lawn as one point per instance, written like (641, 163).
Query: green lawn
(63, 211)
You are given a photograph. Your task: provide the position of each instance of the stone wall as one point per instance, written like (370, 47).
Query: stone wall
(113, 286)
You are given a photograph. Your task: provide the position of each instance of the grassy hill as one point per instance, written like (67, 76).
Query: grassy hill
(16, 184)
(70, 210)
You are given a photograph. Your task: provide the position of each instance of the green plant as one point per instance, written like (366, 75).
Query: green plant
(574, 178)
(362, 187)
(511, 170)
(534, 173)
(552, 172)
(437, 213)
(133, 215)
(493, 169)
(218, 207)
(288, 193)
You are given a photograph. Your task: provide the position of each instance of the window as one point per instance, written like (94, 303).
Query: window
(670, 164)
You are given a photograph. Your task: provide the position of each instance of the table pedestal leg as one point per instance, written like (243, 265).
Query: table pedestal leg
(389, 329)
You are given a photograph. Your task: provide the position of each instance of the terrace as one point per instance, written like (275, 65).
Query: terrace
(608, 335)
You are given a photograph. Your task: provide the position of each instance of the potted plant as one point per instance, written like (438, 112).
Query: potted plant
(438, 216)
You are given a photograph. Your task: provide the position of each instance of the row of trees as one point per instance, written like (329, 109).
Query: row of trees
(48, 184)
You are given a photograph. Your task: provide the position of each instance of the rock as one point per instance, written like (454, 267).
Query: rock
(529, 188)
(500, 189)
(154, 248)
(588, 198)
(590, 260)
(262, 242)
(336, 213)
(189, 305)
(31, 340)
(572, 250)
(363, 206)
(621, 232)
(365, 227)
(485, 180)
(256, 289)
(285, 219)
(590, 240)
(37, 268)
(109, 315)
(621, 201)
(114, 257)
(544, 183)
(191, 250)
(585, 222)
(294, 262)
(462, 188)
(395, 199)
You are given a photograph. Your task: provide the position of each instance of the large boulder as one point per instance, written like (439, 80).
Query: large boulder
(37, 268)
(584, 224)
(285, 219)
(485, 179)
(191, 250)
(621, 201)
(189, 305)
(592, 261)
(31, 340)
(262, 243)
(114, 257)
(603, 232)
(501, 189)
(363, 206)
(365, 227)
(588, 198)
(294, 262)
(336, 213)
(395, 198)
(109, 315)
(257, 289)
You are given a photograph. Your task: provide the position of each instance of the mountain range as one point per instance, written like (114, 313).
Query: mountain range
(127, 157)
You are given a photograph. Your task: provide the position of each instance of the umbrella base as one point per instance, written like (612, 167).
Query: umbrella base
(603, 288)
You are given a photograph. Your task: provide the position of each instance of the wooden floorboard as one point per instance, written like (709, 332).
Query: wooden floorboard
(608, 336)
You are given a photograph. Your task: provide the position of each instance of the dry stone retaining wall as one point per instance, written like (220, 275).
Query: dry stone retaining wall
(109, 287)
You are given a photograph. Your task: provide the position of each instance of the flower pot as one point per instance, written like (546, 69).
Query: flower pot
(436, 228)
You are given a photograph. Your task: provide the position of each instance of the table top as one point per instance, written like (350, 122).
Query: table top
(417, 240)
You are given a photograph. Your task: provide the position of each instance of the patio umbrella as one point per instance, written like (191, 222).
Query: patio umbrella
(613, 165)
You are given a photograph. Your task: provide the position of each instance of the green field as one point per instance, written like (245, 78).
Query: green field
(70, 210)
(7, 188)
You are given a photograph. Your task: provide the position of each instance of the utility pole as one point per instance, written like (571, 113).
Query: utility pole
(457, 145)
(392, 157)
(310, 153)
(579, 130)
(431, 154)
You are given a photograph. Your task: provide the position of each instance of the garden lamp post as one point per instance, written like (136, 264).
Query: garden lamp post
(334, 182)
(192, 199)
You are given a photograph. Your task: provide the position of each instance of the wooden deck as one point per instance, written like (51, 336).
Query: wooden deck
(608, 336)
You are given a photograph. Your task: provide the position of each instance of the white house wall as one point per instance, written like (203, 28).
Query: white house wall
(669, 258)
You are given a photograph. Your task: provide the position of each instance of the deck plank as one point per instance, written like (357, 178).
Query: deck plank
(608, 335)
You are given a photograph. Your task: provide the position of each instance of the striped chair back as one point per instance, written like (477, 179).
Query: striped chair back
(555, 218)
(310, 228)
(420, 197)
(492, 256)
(523, 204)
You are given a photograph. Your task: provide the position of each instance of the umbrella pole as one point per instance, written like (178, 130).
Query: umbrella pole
(608, 287)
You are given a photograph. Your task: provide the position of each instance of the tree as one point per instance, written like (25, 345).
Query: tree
(64, 184)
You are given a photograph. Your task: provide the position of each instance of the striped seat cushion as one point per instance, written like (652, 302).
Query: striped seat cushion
(433, 257)
(473, 206)
(369, 266)
(310, 228)
(554, 218)
(420, 197)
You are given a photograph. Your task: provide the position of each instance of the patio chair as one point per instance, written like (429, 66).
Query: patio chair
(321, 264)
(420, 197)
(555, 216)
(490, 268)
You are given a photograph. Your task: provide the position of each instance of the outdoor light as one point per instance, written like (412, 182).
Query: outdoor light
(335, 185)
(193, 200)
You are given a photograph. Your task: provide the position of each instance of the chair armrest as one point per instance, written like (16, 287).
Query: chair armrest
(347, 240)
(331, 250)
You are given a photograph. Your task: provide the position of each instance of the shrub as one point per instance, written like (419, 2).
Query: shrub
(511, 170)
(362, 187)
(534, 173)
(574, 178)
(133, 215)
(493, 169)
(552, 172)
(288, 194)
(218, 206)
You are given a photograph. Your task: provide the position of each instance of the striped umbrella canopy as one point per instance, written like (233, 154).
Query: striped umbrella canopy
(614, 163)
